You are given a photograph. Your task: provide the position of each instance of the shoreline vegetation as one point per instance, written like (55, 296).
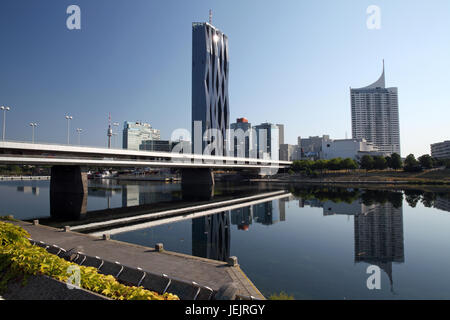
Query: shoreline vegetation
(19, 259)
(431, 176)
(377, 170)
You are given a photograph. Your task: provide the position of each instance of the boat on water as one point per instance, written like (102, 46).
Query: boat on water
(150, 175)
(100, 175)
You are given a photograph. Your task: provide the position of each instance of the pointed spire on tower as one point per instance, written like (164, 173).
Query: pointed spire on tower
(380, 83)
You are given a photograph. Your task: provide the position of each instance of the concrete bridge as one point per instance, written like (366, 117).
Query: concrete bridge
(69, 163)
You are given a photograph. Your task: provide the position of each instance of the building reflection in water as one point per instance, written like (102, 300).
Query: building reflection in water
(28, 189)
(140, 194)
(211, 236)
(442, 203)
(378, 230)
(379, 237)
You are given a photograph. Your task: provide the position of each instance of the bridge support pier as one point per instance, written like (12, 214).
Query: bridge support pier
(197, 176)
(68, 192)
(197, 183)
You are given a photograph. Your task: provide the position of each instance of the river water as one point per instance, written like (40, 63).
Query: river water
(312, 243)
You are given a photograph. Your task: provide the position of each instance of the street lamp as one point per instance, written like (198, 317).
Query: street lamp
(4, 120)
(79, 134)
(68, 118)
(33, 125)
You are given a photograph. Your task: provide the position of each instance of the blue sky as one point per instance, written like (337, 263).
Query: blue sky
(291, 62)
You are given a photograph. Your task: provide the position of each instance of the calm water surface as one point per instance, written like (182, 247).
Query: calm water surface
(315, 243)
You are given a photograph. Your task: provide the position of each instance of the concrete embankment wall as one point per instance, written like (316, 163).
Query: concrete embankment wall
(45, 288)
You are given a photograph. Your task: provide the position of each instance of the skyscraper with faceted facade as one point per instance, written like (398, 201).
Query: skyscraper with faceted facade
(375, 115)
(210, 103)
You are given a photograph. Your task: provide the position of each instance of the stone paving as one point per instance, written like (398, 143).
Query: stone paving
(205, 272)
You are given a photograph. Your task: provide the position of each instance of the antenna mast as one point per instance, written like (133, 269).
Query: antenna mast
(210, 16)
(109, 132)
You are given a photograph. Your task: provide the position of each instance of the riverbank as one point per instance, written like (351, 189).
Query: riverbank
(205, 272)
(16, 178)
(436, 179)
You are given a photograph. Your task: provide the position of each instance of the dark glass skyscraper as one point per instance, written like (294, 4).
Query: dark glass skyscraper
(209, 85)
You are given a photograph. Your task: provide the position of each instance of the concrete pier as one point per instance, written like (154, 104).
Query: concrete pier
(205, 272)
(68, 192)
(197, 176)
(68, 179)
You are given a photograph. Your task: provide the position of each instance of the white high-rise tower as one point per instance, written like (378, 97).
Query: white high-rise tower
(375, 115)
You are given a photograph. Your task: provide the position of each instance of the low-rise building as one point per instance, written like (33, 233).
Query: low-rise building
(348, 148)
(289, 152)
(156, 145)
(311, 148)
(441, 150)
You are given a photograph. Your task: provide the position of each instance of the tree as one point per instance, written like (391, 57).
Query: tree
(388, 161)
(411, 164)
(379, 163)
(319, 165)
(334, 164)
(426, 161)
(366, 162)
(349, 164)
(396, 161)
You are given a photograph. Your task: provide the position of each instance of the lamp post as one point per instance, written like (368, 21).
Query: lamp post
(68, 118)
(33, 125)
(4, 108)
(79, 134)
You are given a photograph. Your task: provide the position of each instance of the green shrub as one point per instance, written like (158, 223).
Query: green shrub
(281, 296)
(20, 259)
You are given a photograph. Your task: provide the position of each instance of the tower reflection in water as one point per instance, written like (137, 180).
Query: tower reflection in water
(211, 234)
(379, 237)
(378, 227)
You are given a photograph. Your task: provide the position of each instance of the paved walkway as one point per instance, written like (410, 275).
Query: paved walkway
(205, 272)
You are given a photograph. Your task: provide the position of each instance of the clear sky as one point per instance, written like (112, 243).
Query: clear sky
(291, 62)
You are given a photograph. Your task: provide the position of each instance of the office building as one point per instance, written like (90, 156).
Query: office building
(242, 141)
(441, 150)
(210, 103)
(134, 133)
(280, 134)
(375, 115)
(267, 139)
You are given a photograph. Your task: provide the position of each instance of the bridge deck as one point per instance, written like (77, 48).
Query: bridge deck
(205, 272)
(14, 152)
